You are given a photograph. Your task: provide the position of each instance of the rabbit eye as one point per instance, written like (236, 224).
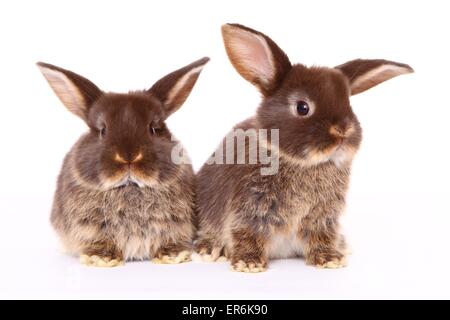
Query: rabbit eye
(153, 130)
(103, 131)
(302, 108)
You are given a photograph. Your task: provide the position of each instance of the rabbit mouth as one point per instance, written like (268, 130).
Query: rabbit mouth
(341, 154)
(129, 184)
(338, 153)
(129, 177)
(128, 180)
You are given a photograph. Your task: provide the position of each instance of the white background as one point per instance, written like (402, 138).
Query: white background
(397, 219)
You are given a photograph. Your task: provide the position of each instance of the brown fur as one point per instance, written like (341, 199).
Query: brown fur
(119, 195)
(252, 217)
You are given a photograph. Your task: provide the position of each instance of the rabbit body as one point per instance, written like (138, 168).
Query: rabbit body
(126, 188)
(282, 209)
(140, 222)
(249, 216)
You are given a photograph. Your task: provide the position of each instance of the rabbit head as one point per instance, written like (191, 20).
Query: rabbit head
(128, 141)
(309, 105)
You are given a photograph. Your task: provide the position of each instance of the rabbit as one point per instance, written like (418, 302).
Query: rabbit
(250, 217)
(119, 195)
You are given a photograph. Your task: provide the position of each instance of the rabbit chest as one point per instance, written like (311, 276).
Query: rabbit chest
(132, 210)
(139, 220)
(303, 194)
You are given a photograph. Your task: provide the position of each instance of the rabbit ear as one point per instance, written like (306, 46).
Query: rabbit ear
(75, 92)
(173, 89)
(365, 74)
(256, 57)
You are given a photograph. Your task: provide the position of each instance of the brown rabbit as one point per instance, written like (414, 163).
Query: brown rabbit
(251, 217)
(119, 194)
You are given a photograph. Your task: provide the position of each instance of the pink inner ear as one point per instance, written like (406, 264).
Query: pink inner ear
(376, 76)
(253, 54)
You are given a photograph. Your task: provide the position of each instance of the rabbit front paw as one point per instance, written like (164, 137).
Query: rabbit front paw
(209, 252)
(99, 261)
(333, 264)
(102, 254)
(327, 261)
(173, 258)
(249, 266)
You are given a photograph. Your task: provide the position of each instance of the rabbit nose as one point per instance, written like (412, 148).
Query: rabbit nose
(128, 160)
(341, 131)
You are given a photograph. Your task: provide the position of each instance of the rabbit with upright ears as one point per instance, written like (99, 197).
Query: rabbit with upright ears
(119, 195)
(250, 217)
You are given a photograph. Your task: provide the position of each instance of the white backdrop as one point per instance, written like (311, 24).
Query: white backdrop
(397, 219)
